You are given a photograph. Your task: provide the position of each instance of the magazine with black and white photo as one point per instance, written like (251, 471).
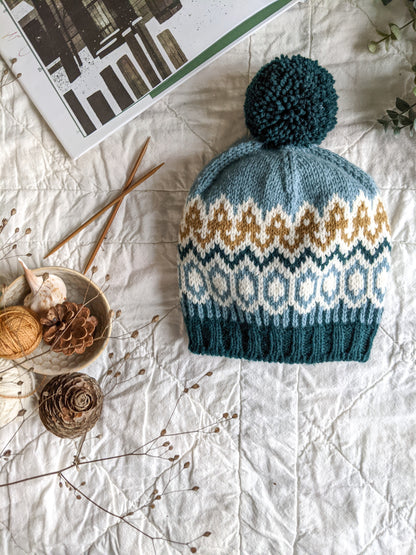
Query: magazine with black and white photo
(90, 66)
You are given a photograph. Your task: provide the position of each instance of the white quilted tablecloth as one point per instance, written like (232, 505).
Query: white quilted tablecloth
(320, 460)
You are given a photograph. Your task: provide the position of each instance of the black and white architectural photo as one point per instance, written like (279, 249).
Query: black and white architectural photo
(102, 56)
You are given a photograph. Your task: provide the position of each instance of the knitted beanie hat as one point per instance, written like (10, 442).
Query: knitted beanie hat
(284, 248)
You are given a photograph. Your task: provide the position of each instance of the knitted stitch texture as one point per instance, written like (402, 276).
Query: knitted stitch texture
(284, 256)
(291, 101)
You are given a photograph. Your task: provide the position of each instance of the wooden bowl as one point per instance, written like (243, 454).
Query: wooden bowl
(80, 289)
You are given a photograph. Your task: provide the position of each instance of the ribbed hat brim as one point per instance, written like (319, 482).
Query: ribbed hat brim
(293, 345)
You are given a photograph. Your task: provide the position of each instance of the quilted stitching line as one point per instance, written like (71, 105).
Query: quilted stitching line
(376, 536)
(13, 539)
(184, 192)
(52, 174)
(365, 390)
(102, 535)
(55, 157)
(151, 357)
(310, 37)
(196, 403)
(185, 454)
(37, 189)
(134, 243)
(357, 140)
(239, 461)
(117, 524)
(296, 503)
(78, 189)
(183, 120)
(395, 343)
(132, 502)
(396, 510)
(21, 451)
(180, 385)
(356, 399)
(249, 60)
(404, 242)
(129, 503)
(307, 445)
(360, 396)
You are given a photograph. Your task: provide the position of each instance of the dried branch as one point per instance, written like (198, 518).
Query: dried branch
(159, 447)
(133, 453)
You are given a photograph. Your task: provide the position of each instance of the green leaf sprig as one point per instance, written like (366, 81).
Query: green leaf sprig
(395, 34)
(404, 117)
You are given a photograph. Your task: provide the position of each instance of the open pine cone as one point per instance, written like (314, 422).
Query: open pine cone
(70, 404)
(68, 328)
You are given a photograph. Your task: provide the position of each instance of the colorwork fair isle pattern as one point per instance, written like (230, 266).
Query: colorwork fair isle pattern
(304, 283)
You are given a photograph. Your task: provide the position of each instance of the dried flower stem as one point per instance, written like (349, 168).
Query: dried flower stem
(3, 450)
(120, 456)
(6, 72)
(124, 519)
(159, 447)
(18, 396)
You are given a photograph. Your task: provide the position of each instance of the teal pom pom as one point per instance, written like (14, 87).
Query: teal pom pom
(291, 101)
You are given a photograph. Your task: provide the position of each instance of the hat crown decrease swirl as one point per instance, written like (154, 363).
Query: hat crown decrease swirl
(291, 101)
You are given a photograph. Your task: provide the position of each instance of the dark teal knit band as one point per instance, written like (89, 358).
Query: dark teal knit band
(300, 345)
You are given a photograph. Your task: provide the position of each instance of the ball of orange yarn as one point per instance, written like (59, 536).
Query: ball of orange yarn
(20, 332)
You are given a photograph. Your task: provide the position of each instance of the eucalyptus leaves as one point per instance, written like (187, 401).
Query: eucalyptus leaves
(404, 115)
(395, 34)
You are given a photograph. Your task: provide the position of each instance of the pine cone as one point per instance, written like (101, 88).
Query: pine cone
(68, 328)
(70, 404)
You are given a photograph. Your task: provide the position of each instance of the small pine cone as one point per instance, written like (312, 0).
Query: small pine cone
(70, 404)
(68, 328)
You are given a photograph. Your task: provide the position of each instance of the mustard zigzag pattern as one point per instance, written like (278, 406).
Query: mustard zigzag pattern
(366, 220)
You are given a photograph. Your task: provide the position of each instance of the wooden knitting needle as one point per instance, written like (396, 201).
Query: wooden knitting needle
(116, 207)
(109, 205)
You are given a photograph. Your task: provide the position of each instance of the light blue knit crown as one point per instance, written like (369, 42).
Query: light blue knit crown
(284, 248)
